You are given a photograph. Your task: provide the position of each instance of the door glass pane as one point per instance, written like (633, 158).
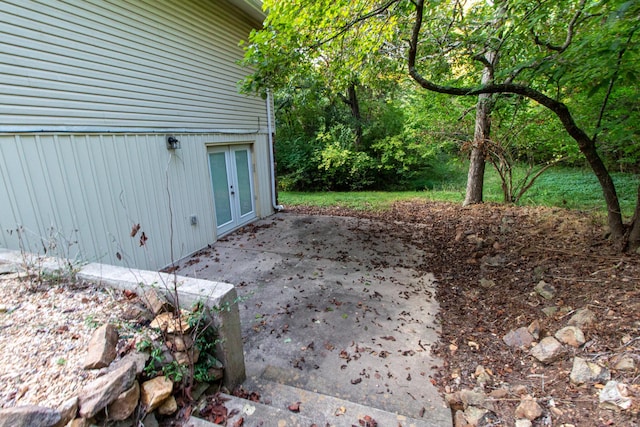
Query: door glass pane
(220, 181)
(244, 181)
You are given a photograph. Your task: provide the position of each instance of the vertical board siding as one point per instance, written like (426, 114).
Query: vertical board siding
(123, 65)
(94, 188)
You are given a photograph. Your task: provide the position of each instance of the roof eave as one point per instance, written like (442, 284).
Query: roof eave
(253, 8)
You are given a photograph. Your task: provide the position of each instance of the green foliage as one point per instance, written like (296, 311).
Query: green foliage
(581, 54)
(175, 371)
(154, 365)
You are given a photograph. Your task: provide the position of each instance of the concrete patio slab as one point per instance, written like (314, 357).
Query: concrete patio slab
(333, 305)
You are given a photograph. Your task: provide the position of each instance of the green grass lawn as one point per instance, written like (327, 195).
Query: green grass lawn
(572, 188)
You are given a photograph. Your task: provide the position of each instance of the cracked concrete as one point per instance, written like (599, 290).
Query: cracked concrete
(333, 305)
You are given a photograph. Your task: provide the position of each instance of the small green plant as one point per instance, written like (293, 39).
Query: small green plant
(91, 322)
(175, 371)
(156, 356)
(61, 361)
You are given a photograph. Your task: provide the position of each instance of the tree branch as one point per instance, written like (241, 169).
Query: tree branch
(559, 108)
(351, 24)
(570, 30)
(612, 82)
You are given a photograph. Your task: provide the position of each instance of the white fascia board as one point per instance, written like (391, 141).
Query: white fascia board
(253, 8)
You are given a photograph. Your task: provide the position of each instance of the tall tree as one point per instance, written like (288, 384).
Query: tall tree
(552, 52)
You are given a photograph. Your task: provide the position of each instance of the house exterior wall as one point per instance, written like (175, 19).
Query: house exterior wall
(89, 92)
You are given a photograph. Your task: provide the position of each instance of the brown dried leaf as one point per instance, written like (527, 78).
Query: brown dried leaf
(294, 407)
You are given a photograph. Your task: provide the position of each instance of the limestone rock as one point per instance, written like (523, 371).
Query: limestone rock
(102, 347)
(454, 400)
(183, 358)
(489, 419)
(581, 318)
(199, 390)
(625, 363)
(494, 261)
(487, 283)
(545, 290)
(168, 407)
(519, 390)
(588, 372)
(548, 350)
(155, 301)
(615, 396)
(499, 393)
(482, 375)
(150, 421)
(459, 420)
(472, 398)
(518, 338)
(68, 411)
(528, 409)
(28, 416)
(155, 391)
(124, 405)
(571, 335)
(550, 311)
(138, 358)
(179, 342)
(534, 329)
(96, 395)
(169, 323)
(80, 422)
(523, 423)
(473, 415)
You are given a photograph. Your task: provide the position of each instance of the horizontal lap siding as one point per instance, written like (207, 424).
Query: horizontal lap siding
(117, 66)
(106, 82)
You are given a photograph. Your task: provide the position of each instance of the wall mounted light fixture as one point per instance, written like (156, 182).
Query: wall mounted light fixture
(172, 143)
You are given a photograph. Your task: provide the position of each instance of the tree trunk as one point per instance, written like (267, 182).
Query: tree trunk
(633, 243)
(352, 101)
(482, 133)
(614, 214)
(355, 112)
(586, 144)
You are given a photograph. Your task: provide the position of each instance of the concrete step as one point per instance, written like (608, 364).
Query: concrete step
(256, 414)
(427, 407)
(325, 410)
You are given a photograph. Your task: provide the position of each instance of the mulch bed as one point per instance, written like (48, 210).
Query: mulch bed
(566, 249)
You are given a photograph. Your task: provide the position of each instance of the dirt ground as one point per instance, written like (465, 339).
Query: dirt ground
(517, 247)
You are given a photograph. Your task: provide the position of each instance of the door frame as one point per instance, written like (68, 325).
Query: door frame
(238, 219)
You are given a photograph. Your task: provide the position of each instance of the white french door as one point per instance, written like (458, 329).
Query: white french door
(232, 181)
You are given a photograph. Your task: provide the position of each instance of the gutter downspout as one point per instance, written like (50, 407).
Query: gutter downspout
(274, 202)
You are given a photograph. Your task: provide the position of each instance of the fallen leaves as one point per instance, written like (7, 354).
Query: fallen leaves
(215, 410)
(367, 421)
(294, 407)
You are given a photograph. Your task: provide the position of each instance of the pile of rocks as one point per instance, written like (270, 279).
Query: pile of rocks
(477, 408)
(120, 395)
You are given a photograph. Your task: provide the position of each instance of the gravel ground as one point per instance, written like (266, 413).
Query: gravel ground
(44, 332)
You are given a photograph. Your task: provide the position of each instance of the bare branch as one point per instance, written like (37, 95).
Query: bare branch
(532, 180)
(570, 30)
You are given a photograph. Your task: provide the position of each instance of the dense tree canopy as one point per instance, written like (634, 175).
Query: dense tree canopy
(576, 58)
